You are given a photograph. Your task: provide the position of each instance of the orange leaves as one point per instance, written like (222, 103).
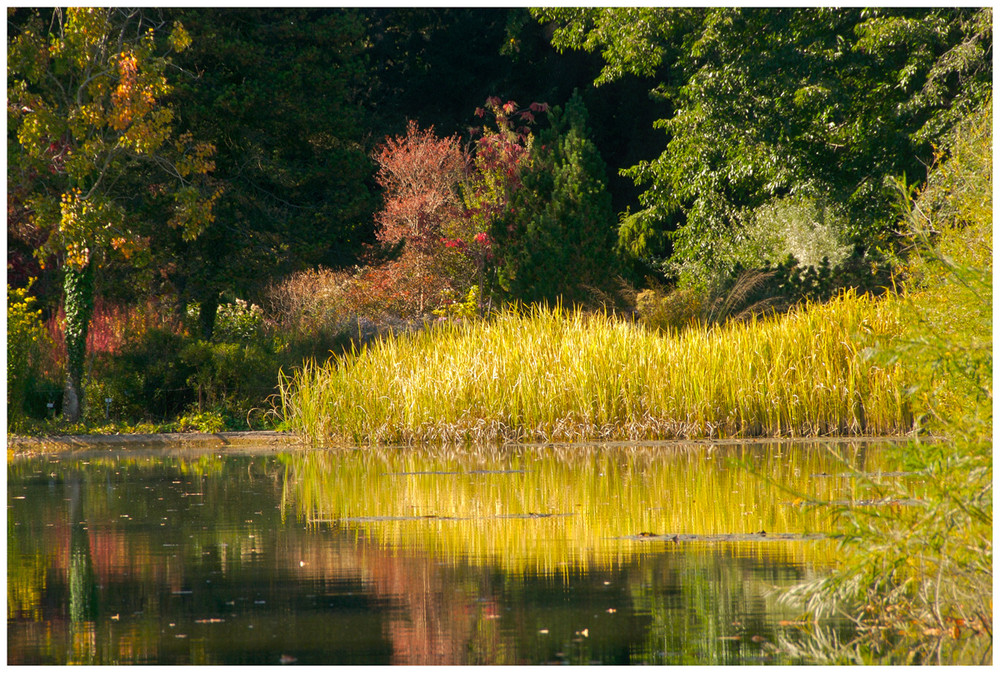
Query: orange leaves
(133, 111)
(124, 100)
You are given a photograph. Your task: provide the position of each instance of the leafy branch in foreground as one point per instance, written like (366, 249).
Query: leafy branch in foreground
(919, 580)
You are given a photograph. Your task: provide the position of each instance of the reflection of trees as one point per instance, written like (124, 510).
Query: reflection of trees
(441, 614)
(131, 537)
(81, 565)
(76, 559)
(713, 605)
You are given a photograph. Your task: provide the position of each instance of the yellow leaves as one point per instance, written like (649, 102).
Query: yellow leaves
(196, 159)
(149, 134)
(179, 39)
(89, 224)
(192, 212)
(82, 37)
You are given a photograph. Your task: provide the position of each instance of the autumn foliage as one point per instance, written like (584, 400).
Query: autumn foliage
(440, 204)
(419, 174)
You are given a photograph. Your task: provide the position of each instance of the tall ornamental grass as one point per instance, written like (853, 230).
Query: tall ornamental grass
(548, 374)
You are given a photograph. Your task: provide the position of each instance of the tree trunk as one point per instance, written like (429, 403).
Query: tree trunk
(207, 310)
(78, 292)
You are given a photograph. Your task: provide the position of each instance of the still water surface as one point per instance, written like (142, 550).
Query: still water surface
(419, 556)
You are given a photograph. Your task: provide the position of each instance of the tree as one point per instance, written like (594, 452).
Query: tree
(772, 102)
(555, 241)
(500, 155)
(419, 174)
(279, 92)
(85, 95)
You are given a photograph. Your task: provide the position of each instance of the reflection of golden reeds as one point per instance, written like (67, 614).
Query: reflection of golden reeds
(552, 510)
(562, 376)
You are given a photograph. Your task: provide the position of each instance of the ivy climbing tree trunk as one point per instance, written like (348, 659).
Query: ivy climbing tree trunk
(97, 148)
(78, 289)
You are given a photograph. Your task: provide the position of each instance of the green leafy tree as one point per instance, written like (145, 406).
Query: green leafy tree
(555, 240)
(278, 91)
(771, 102)
(85, 95)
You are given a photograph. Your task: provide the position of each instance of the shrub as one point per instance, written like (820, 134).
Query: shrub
(670, 311)
(238, 321)
(806, 227)
(26, 339)
(310, 302)
(231, 377)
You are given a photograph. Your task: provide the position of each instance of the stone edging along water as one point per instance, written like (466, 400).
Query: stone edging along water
(192, 440)
(280, 440)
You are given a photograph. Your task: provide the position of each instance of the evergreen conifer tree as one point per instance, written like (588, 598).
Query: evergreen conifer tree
(558, 236)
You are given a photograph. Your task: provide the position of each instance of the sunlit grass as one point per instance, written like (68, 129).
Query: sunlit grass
(561, 375)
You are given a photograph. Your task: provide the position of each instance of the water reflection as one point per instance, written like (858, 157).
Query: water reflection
(525, 555)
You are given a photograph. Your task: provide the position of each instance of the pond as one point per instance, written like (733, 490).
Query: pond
(624, 554)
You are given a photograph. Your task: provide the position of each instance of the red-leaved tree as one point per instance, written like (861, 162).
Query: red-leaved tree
(419, 173)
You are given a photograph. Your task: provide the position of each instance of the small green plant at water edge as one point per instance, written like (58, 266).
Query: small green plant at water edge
(201, 421)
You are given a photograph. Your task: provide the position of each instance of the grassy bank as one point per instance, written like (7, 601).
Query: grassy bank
(554, 375)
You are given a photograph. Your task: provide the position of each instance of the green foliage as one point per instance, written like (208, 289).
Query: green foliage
(278, 90)
(26, 338)
(147, 379)
(201, 421)
(924, 573)
(466, 308)
(555, 241)
(807, 228)
(231, 376)
(771, 102)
